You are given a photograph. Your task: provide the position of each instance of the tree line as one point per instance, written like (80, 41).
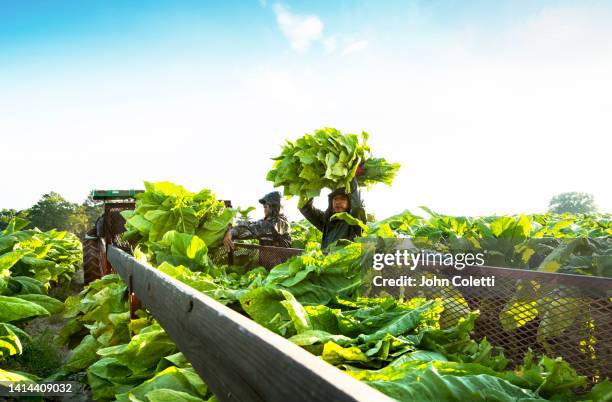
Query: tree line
(52, 211)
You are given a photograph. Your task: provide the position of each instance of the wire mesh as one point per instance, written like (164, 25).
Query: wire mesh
(253, 255)
(114, 224)
(562, 315)
(568, 316)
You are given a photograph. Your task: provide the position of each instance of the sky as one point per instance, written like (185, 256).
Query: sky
(489, 106)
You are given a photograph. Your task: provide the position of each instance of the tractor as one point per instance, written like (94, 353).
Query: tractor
(110, 226)
(107, 231)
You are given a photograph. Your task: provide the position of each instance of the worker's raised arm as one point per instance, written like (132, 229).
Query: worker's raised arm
(313, 215)
(357, 206)
(252, 230)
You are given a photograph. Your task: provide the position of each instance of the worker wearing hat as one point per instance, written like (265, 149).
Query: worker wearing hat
(272, 230)
(339, 200)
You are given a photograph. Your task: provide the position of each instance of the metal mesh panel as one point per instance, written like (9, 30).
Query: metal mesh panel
(252, 255)
(561, 315)
(114, 224)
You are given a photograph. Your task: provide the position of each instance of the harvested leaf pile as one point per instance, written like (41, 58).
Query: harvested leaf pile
(328, 159)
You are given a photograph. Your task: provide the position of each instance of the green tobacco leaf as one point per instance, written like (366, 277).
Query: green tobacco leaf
(170, 395)
(111, 299)
(327, 159)
(15, 224)
(297, 313)
(187, 245)
(144, 350)
(14, 309)
(197, 280)
(245, 212)
(455, 306)
(425, 347)
(351, 220)
(455, 342)
(174, 378)
(83, 355)
(53, 306)
(184, 248)
(177, 360)
(25, 285)
(107, 378)
(551, 378)
(428, 385)
(558, 314)
(161, 222)
(600, 392)
(419, 355)
(559, 256)
(140, 223)
(212, 231)
(336, 354)
(10, 344)
(511, 228)
(517, 313)
(378, 170)
(314, 278)
(264, 306)
(311, 337)
(406, 322)
(13, 376)
(7, 260)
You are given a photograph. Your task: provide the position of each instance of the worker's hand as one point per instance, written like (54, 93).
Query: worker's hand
(360, 170)
(227, 241)
(303, 201)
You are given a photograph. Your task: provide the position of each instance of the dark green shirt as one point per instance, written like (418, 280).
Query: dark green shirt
(270, 231)
(334, 230)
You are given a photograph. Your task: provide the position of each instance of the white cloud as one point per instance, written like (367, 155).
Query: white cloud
(354, 46)
(557, 32)
(304, 30)
(478, 129)
(300, 30)
(330, 44)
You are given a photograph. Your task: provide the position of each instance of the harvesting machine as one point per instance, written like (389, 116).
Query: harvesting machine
(107, 231)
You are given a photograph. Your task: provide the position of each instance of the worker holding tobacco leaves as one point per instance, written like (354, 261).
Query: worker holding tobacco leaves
(339, 200)
(272, 230)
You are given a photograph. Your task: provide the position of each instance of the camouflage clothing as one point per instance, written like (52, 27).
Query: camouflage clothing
(273, 230)
(336, 229)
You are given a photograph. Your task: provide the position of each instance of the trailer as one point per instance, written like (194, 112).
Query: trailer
(243, 361)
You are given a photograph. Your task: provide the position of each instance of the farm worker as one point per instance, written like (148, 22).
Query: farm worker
(339, 200)
(272, 230)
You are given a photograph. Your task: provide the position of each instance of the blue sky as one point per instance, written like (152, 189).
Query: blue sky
(482, 102)
(76, 33)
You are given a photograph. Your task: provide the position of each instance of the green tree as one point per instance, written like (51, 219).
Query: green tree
(92, 209)
(52, 211)
(572, 202)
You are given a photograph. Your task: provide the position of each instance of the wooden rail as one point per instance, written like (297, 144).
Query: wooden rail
(237, 358)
